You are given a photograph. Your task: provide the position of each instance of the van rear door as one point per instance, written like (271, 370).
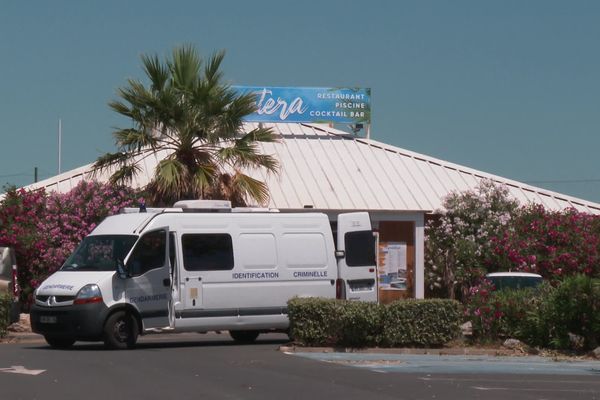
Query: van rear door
(357, 271)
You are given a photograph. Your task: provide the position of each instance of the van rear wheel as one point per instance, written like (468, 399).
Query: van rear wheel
(59, 342)
(120, 331)
(244, 336)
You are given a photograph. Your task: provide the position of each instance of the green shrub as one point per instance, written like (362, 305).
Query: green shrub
(551, 314)
(528, 319)
(543, 316)
(328, 322)
(5, 308)
(313, 320)
(359, 324)
(574, 307)
(421, 322)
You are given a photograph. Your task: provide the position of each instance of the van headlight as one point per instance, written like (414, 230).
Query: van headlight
(88, 294)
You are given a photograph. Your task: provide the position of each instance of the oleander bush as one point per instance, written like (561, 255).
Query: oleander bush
(44, 228)
(501, 314)
(484, 230)
(458, 246)
(328, 322)
(565, 317)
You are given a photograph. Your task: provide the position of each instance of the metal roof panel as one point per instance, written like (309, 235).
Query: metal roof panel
(331, 169)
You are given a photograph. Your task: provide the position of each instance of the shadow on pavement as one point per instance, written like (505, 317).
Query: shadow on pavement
(167, 341)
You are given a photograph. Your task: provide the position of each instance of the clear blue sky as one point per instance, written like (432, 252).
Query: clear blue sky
(507, 87)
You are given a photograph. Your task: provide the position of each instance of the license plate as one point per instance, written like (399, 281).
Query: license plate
(48, 319)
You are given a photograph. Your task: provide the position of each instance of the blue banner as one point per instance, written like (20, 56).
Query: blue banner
(309, 104)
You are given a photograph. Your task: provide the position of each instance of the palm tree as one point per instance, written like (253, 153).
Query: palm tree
(188, 115)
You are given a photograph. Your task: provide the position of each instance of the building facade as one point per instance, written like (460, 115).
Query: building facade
(328, 170)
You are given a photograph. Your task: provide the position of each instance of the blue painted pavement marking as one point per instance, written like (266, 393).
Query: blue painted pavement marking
(451, 364)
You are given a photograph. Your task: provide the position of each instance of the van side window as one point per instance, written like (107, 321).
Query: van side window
(360, 248)
(207, 252)
(149, 253)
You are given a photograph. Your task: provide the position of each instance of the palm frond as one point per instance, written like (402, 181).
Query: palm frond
(245, 152)
(205, 176)
(109, 160)
(171, 175)
(134, 139)
(264, 135)
(124, 175)
(229, 118)
(203, 156)
(204, 179)
(121, 108)
(212, 70)
(157, 72)
(267, 162)
(242, 105)
(251, 188)
(135, 94)
(185, 67)
(246, 155)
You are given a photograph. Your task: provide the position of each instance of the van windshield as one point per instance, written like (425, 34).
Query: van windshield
(99, 253)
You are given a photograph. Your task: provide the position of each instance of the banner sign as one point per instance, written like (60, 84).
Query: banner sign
(309, 104)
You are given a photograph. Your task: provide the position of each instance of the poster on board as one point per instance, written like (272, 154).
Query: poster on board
(392, 269)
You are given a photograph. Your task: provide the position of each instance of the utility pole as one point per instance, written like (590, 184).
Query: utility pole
(59, 143)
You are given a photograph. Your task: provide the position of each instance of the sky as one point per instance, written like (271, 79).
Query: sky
(510, 88)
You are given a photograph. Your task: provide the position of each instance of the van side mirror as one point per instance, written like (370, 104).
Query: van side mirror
(122, 270)
(340, 254)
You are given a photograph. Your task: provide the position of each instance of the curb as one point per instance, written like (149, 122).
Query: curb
(460, 351)
(22, 337)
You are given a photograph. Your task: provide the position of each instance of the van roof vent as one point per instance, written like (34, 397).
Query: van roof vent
(254, 209)
(136, 210)
(203, 205)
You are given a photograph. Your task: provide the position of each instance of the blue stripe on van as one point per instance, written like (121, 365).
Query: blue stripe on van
(232, 312)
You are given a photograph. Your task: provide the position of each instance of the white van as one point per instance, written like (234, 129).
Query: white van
(201, 267)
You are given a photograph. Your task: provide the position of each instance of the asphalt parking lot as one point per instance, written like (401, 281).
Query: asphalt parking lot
(214, 366)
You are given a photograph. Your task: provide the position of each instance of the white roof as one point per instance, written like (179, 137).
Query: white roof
(512, 275)
(329, 169)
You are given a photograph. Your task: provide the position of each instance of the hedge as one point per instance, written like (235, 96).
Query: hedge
(421, 323)
(566, 317)
(5, 309)
(328, 322)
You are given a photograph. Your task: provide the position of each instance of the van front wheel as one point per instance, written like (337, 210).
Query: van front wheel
(244, 336)
(120, 331)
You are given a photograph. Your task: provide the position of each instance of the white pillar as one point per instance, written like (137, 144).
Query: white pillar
(420, 256)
